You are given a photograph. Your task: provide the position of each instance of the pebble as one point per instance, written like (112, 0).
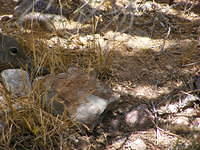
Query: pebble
(137, 144)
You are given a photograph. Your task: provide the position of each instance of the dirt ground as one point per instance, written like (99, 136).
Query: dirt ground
(154, 56)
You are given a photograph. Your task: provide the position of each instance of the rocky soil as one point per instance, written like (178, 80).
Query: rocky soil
(146, 52)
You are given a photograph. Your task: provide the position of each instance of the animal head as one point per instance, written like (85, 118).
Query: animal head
(11, 53)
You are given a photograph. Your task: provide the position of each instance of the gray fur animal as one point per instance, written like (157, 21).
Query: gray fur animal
(11, 53)
(45, 7)
(37, 14)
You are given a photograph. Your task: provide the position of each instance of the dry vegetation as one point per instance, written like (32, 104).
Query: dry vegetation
(147, 53)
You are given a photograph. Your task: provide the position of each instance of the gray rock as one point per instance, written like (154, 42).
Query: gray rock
(90, 110)
(17, 82)
(79, 93)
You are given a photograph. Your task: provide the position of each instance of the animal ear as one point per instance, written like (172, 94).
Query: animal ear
(13, 51)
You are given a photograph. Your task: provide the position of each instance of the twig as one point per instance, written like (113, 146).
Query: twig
(192, 91)
(164, 40)
(171, 134)
(191, 64)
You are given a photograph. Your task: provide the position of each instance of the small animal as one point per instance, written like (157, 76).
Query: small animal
(43, 6)
(11, 53)
(37, 14)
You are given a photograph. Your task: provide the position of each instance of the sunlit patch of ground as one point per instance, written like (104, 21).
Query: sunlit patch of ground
(146, 64)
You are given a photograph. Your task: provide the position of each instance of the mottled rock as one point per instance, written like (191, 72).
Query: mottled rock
(139, 117)
(17, 82)
(77, 92)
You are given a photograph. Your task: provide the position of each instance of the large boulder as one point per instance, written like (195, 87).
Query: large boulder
(78, 93)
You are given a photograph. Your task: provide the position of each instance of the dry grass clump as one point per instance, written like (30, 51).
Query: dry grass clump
(58, 59)
(32, 126)
(103, 64)
(26, 125)
(29, 126)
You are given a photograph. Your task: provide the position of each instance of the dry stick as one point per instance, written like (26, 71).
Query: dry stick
(61, 7)
(153, 26)
(193, 91)
(155, 122)
(191, 64)
(164, 40)
(171, 134)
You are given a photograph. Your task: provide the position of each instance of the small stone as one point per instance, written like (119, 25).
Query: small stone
(5, 17)
(1, 98)
(89, 111)
(17, 82)
(139, 118)
(169, 67)
(196, 123)
(138, 144)
(181, 120)
(172, 108)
